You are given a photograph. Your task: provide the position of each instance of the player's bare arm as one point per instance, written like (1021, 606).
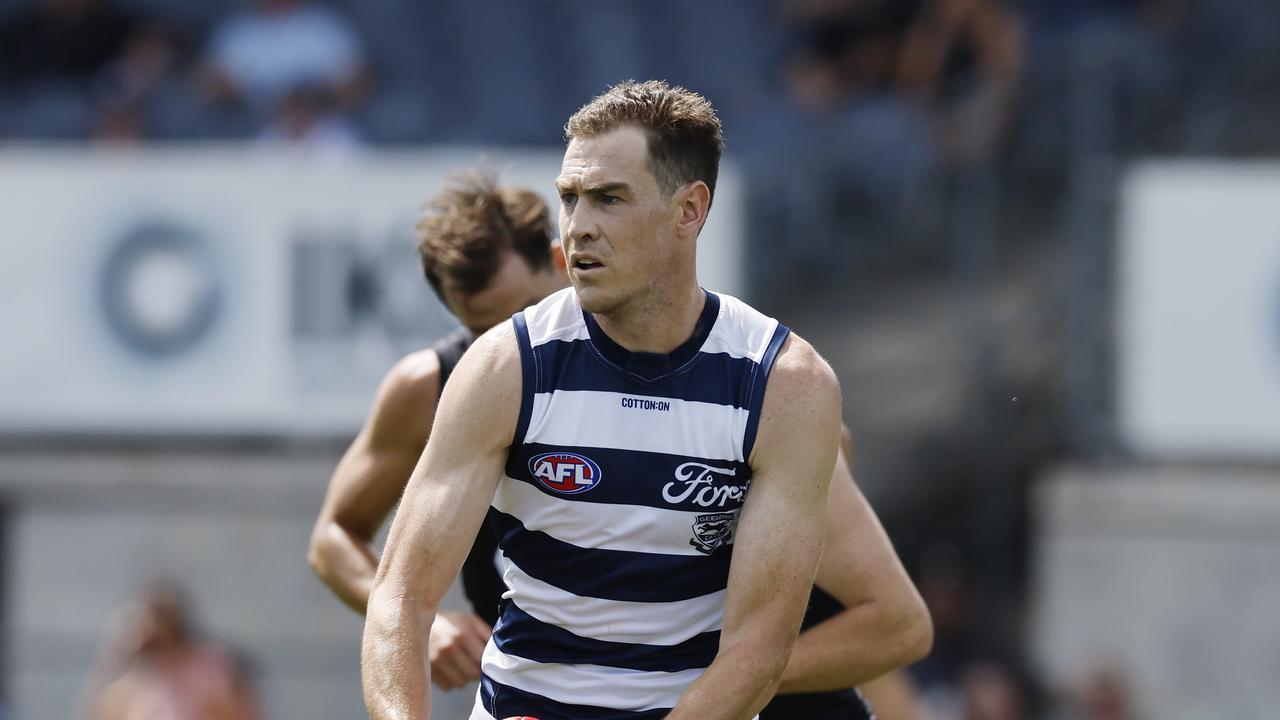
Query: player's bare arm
(885, 624)
(443, 507)
(371, 476)
(363, 491)
(778, 541)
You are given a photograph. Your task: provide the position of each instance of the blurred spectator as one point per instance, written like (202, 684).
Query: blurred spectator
(65, 41)
(860, 159)
(969, 675)
(261, 56)
(904, 82)
(119, 124)
(944, 586)
(962, 59)
(990, 691)
(306, 119)
(146, 61)
(843, 50)
(893, 697)
(159, 670)
(124, 89)
(1103, 695)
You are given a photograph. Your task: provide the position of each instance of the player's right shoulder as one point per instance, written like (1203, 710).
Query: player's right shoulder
(802, 369)
(416, 374)
(405, 406)
(496, 348)
(803, 394)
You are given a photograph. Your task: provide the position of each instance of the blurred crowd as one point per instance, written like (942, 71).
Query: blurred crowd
(971, 674)
(275, 70)
(909, 123)
(155, 666)
(898, 87)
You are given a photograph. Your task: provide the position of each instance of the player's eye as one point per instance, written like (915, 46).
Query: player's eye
(568, 198)
(610, 199)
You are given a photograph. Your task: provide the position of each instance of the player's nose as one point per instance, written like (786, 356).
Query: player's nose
(580, 225)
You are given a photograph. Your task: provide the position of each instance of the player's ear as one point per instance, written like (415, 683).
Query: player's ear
(558, 260)
(693, 203)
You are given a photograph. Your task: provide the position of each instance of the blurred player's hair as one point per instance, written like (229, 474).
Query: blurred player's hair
(465, 229)
(685, 139)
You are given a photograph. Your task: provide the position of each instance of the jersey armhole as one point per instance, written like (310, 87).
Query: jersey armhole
(449, 351)
(528, 377)
(755, 397)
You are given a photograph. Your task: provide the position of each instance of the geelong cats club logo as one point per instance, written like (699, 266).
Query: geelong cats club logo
(565, 473)
(712, 530)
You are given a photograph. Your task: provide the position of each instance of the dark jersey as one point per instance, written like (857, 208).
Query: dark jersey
(483, 587)
(836, 705)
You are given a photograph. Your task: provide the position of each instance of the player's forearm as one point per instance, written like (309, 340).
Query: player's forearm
(856, 646)
(392, 670)
(344, 562)
(739, 682)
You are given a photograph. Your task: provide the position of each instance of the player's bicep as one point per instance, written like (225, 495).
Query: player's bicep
(775, 550)
(780, 529)
(366, 485)
(454, 481)
(371, 475)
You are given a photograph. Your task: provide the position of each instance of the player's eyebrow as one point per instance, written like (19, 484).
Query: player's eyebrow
(564, 186)
(605, 188)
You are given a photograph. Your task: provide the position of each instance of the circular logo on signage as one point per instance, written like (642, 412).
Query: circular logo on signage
(1276, 324)
(159, 288)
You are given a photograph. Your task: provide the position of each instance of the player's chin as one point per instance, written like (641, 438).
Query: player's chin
(593, 298)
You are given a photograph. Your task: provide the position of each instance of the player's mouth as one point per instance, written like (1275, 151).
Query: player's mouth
(586, 265)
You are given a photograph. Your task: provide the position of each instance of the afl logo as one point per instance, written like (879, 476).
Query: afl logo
(565, 473)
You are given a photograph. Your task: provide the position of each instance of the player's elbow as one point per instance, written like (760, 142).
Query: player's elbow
(915, 632)
(904, 633)
(319, 551)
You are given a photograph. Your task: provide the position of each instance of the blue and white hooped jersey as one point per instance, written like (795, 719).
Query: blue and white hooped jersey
(617, 513)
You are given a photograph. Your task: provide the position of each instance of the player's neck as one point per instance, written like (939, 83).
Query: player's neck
(655, 324)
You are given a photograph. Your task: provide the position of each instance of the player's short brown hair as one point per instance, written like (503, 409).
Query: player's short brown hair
(685, 138)
(466, 227)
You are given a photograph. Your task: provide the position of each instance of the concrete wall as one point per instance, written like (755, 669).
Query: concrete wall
(84, 530)
(1171, 575)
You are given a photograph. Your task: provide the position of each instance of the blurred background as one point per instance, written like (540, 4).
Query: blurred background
(1037, 239)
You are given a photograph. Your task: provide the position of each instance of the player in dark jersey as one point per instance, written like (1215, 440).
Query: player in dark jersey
(870, 622)
(488, 252)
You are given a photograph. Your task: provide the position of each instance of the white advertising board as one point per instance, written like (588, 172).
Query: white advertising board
(1198, 371)
(230, 290)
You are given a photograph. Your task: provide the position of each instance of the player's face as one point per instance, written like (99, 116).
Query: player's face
(513, 288)
(615, 221)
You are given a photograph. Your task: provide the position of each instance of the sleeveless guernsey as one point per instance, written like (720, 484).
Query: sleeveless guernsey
(449, 350)
(617, 511)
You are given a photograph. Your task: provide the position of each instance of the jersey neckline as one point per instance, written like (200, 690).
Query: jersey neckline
(655, 366)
